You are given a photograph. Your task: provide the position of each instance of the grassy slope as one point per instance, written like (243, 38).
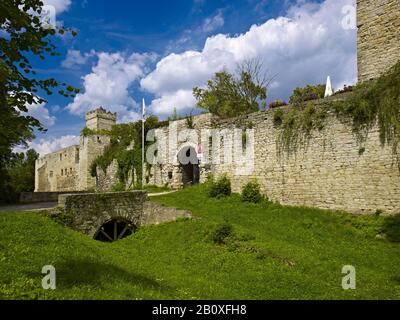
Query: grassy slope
(293, 253)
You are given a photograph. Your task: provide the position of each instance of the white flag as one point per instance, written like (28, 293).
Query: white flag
(328, 89)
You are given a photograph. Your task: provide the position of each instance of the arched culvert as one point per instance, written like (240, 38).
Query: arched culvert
(114, 230)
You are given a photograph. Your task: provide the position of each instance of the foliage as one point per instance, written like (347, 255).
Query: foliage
(296, 126)
(277, 104)
(126, 148)
(221, 232)
(309, 92)
(190, 121)
(18, 176)
(220, 188)
(229, 95)
(375, 103)
(142, 266)
(24, 38)
(90, 132)
(278, 117)
(366, 105)
(251, 192)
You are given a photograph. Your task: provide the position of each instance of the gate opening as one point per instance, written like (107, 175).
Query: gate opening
(190, 166)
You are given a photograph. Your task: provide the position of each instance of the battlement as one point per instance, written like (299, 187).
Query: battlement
(100, 119)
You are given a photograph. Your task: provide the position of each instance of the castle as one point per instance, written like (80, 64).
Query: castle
(331, 173)
(69, 169)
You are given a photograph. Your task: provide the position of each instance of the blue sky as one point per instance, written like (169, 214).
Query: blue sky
(159, 50)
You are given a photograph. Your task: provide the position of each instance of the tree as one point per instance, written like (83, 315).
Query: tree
(23, 36)
(18, 175)
(22, 171)
(229, 95)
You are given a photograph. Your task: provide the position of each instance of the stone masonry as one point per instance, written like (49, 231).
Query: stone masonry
(378, 24)
(91, 211)
(69, 168)
(333, 171)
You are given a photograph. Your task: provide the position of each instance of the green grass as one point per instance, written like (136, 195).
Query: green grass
(276, 253)
(156, 189)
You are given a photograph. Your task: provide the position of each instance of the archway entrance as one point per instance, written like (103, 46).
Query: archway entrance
(189, 163)
(114, 230)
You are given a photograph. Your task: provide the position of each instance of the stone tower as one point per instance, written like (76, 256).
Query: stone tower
(92, 146)
(100, 119)
(378, 39)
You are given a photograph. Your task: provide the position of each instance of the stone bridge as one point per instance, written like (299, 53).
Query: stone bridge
(112, 216)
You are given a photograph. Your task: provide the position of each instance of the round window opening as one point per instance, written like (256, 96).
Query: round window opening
(114, 230)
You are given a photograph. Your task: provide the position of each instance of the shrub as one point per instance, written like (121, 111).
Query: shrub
(251, 192)
(221, 232)
(220, 188)
(118, 187)
(277, 104)
(309, 92)
(278, 117)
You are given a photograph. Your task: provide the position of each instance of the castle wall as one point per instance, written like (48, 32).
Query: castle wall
(58, 171)
(329, 173)
(378, 37)
(90, 148)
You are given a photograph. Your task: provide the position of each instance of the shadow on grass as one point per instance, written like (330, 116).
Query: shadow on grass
(99, 274)
(391, 228)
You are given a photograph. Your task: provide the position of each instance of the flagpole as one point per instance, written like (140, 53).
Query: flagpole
(143, 116)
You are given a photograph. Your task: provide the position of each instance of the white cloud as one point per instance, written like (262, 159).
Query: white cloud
(76, 58)
(303, 47)
(181, 99)
(108, 85)
(213, 23)
(46, 146)
(41, 113)
(60, 5)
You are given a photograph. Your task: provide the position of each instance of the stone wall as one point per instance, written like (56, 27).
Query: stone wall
(58, 171)
(378, 36)
(330, 173)
(154, 213)
(107, 180)
(91, 211)
(170, 173)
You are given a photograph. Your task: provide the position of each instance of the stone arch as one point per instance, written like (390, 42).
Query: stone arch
(114, 229)
(189, 165)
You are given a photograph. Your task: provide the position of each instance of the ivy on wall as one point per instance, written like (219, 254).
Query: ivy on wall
(369, 104)
(125, 147)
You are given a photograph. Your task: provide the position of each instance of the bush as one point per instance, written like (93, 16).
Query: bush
(309, 92)
(251, 192)
(118, 187)
(220, 188)
(221, 232)
(277, 104)
(278, 117)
